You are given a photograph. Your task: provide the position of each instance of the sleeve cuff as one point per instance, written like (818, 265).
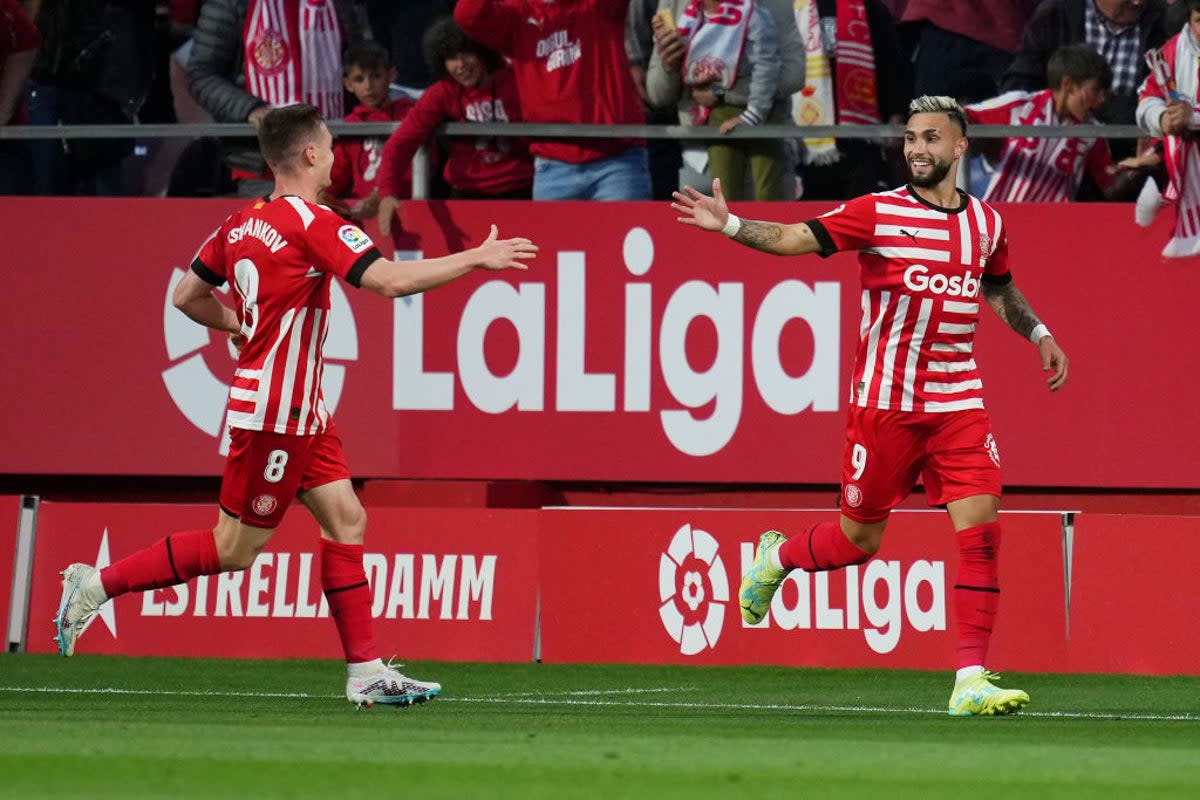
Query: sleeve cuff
(751, 117)
(355, 273)
(828, 247)
(997, 280)
(205, 274)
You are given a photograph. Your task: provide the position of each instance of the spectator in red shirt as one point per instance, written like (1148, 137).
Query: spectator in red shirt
(473, 84)
(367, 71)
(569, 59)
(19, 42)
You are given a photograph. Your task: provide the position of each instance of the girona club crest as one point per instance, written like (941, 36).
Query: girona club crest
(264, 504)
(269, 51)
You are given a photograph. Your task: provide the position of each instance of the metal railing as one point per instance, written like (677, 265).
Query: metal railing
(533, 130)
(536, 130)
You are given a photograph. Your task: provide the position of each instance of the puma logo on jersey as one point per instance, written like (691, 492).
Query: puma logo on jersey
(910, 234)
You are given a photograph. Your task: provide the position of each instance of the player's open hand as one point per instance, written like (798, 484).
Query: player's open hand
(700, 210)
(497, 253)
(389, 209)
(367, 207)
(1054, 361)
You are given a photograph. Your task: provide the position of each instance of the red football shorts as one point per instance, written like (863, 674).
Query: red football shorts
(954, 454)
(264, 472)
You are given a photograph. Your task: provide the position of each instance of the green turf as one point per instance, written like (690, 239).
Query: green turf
(196, 729)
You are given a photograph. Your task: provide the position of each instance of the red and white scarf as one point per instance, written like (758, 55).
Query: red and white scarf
(294, 54)
(714, 45)
(1180, 73)
(857, 98)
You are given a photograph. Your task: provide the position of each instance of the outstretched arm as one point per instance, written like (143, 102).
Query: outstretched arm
(401, 278)
(1011, 306)
(712, 214)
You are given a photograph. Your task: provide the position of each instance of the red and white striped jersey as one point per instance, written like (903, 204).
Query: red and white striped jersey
(1039, 170)
(278, 256)
(921, 267)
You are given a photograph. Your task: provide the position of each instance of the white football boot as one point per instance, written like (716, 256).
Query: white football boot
(388, 685)
(82, 596)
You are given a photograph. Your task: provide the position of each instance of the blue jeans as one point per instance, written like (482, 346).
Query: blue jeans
(624, 176)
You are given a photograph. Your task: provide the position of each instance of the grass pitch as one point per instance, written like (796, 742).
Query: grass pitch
(102, 727)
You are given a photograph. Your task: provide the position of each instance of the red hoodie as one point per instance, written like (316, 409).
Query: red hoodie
(569, 58)
(356, 161)
(486, 165)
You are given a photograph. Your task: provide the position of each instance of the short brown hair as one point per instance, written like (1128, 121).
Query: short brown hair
(1081, 63)
(367, 55)
(281, 130)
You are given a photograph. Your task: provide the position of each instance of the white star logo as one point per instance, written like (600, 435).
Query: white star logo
(107, 612)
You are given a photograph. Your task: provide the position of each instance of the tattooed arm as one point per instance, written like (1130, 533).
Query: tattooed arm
(776, 238)
(1012, 307)
(712, 214)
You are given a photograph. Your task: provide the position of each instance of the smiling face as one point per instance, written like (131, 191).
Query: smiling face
(466, 68)
(932, 143)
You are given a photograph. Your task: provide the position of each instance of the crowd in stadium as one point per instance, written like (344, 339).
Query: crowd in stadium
(723, 63)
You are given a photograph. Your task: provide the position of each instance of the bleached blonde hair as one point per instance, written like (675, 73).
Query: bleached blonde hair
(940, 104)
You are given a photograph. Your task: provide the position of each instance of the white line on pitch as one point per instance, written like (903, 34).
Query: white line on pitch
(594, 692)
(822, 708)
(517, 700)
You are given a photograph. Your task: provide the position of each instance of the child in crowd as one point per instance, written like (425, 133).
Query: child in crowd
(473, 85)
(355, 178)
(1050, 170)
(731, 43)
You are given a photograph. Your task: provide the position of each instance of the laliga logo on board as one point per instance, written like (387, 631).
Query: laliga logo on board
(694, 588)
(200, 395)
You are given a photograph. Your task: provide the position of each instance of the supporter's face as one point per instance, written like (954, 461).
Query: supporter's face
(932, 143)
(466, 68)
(1083, 98)
(1121, 12)
(1194, 24)
(369, 87)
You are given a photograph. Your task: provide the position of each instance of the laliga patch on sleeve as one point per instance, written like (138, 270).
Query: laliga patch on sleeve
(355, 238)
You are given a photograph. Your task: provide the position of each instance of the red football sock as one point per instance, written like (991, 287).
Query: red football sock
(349, 596)
(176, 559)
(977, 591)
(819, 548)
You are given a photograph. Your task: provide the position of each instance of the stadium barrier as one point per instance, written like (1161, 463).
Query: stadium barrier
(421, 167)
(634, 349)
(646, 586)
(10, 576)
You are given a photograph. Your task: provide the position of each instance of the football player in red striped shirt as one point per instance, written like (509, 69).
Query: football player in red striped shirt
(927, 253)
(280, 255)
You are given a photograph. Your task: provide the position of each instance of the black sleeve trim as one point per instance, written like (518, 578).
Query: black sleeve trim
(205, 274)
(997, 280)
(354, 276)
(828, 248)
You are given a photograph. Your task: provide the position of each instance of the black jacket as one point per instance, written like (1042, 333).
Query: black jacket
(1060, 22)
